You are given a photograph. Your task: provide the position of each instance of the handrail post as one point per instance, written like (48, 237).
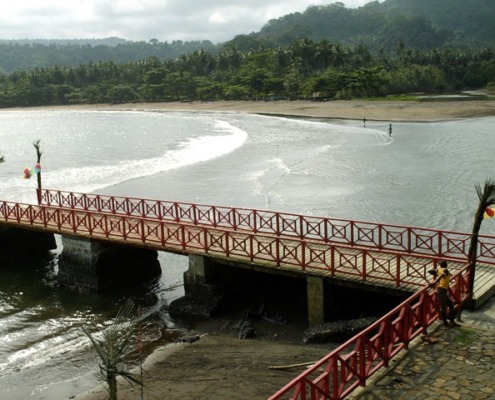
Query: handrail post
(439, 252)
(365, 260)
(380, 233)
(234, 219)
(195, 214)
(214, 209)
(325, 230)
(303, 255)
(397, 272)
(352, 233)
(409, 240)
(143, 236)
(301, 234)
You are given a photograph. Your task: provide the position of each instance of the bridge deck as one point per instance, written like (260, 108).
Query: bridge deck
(380, 269)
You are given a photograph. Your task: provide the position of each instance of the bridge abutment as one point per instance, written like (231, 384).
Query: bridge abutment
(23, 244)
(89, 265)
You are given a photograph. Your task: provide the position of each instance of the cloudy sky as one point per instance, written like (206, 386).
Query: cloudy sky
(165, 20)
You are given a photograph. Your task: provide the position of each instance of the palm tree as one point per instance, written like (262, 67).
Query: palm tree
(114, 348)
(486, 196)
(37, 146)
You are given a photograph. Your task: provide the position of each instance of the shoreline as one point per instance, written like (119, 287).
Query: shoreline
(395, 111)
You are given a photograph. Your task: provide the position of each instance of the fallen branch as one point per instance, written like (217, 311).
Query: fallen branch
(305, 364)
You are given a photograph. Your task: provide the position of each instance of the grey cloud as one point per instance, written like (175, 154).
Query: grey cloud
(215, 20)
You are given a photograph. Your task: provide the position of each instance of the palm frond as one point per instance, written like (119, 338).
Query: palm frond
(486, 194)
(116, 344)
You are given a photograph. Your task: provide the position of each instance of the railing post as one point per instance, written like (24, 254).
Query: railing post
(352, 234)
(107, 233)
(325, 230)
(439, 252)
(234, 219)
(255, 220)
(176, 208)
(380, 233)
(162, 233)
(205, 239)
(251, 250)
(227, 244)
(397, 272)
(301, 233)
(303, 255)
(214, 209)
(409, 240)
(195, 214)
(332, 260)
(365, 260)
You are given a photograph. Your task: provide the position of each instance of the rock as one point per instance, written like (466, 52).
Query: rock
(246, 330)
(336, 331)
(187, 308)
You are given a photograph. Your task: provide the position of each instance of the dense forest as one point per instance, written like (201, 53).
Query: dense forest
(420, 24)
(291, 57)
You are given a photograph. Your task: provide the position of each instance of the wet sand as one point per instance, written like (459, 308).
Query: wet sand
(339, 109)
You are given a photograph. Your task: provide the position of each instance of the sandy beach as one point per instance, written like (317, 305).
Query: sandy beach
(219, 365)
(338, 109)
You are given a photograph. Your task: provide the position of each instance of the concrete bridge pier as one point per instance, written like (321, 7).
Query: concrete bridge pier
(315, 288)
(88, 265)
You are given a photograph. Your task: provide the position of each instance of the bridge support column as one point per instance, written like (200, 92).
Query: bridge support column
(93, 266)
(202, 288)
(316, 300)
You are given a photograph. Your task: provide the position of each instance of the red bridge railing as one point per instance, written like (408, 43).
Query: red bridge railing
(351, 364)
(396, 238)
(398, 269)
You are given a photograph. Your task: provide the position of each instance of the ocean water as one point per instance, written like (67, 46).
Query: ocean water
(423, 175)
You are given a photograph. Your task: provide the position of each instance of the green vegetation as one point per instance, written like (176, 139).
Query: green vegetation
(465, 336)
(394, 48)
(114, 348)
(304, 69)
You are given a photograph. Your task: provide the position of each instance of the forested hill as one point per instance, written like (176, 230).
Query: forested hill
(421, 24)
(377, 27)
(29, 54)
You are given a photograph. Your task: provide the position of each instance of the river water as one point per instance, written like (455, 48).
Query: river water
(423, 175)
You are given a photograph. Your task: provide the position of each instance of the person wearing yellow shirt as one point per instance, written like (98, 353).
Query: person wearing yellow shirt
(447, 308)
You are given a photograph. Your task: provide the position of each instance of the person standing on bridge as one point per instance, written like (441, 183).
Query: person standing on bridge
(447, 308)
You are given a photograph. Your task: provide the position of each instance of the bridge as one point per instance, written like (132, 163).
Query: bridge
(377, 255)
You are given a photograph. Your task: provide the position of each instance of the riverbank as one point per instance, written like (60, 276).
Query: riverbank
(221, 366)
(336, 109)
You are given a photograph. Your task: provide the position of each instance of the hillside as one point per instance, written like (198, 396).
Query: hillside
(421, 24)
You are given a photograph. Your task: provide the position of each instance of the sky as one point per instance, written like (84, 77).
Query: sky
(142, 20)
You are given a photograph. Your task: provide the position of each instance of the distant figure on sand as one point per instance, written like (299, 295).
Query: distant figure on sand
(390, 130)
(364, 121)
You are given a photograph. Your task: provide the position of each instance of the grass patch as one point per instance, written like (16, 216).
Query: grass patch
(465, 336)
